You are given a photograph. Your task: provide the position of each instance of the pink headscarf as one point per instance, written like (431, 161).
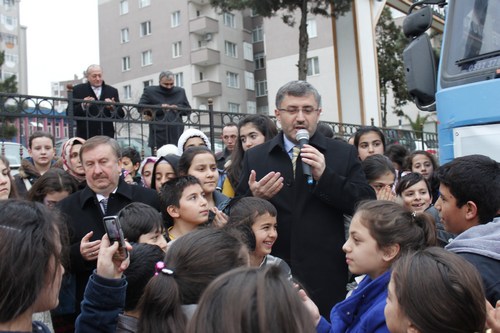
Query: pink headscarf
(66, 157)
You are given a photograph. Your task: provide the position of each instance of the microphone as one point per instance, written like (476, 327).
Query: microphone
(302, 137)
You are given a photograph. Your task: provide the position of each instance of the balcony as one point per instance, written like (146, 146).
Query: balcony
(207, 89)
(205, 57)
(203, 25)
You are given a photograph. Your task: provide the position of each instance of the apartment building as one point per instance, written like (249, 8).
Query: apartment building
(13, 42)
(210, 53)
(238, 59)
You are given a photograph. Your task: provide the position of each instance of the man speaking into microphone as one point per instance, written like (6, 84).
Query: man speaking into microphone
(310, 209)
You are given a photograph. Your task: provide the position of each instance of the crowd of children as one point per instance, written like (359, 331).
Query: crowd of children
(425, 255)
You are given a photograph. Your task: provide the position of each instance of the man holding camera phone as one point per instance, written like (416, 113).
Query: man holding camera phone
(105, 195)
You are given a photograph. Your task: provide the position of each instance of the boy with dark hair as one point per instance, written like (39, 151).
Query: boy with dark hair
(183, 205)
(468, 203)
(131, 161)
(142, 223)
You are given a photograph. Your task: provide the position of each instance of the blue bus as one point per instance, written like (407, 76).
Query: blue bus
(466, 92)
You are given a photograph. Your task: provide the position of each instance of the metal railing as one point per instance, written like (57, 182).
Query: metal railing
(56, 115)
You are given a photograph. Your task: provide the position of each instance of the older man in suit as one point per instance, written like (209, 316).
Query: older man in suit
(310, 215)
(98, 117)
(106, 194)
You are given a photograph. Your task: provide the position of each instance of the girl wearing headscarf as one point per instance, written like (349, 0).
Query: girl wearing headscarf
(70, 156)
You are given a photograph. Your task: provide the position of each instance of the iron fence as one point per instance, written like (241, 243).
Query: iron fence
(21, 115)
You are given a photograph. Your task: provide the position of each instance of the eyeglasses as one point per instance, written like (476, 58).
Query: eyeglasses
(292, 110)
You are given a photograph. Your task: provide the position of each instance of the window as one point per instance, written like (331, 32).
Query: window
(233, 107)
(257, 35)
(10, 59)
(249, 81)
(179, 79)
(147, 58)
(176, 49)
(127, 91)
(251, 107)
(123, 7)
(9, 21)
(312, 66)
(312, 31)
(261, 88)
(147, 83)
(230, 49)
(144, 3)
(145, 28)
(229, 20)
(263, 109)
(125, 64)
(232, 80)
(124, 35)
(175, 19)
(259, 60)
(58, 131)
(247, 51)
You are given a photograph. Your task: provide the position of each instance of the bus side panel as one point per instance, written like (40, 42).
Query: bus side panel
(471, 104)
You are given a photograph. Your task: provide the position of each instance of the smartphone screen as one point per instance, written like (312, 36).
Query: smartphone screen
(115, 234)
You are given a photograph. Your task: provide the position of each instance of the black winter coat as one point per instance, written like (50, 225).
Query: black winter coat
(83, 214)
(310, 217)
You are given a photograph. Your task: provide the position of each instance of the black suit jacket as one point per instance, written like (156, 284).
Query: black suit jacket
(99, 117)
(83, 214)
(310, 217)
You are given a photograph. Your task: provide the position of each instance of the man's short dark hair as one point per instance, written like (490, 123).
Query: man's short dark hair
(473, 178)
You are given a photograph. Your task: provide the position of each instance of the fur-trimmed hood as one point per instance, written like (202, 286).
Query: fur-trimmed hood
(28, 170)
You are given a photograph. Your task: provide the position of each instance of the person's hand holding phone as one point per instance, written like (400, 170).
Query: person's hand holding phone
(109, 264)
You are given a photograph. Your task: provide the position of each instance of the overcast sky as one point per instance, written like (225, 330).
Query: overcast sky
(62, 40)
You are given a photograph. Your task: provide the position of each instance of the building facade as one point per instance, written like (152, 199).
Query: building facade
(239, 59)
(13, 43)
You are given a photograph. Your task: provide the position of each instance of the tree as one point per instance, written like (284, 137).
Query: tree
(270, 8)
(9, 85)
(417, 125)
(390, 45)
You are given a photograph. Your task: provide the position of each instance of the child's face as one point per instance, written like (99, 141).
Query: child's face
(250, 136)
(417, 197)
(264, 229)
(42, 151)
(154, 238)
(5, 183)
(195, 141)
(204, 168)
(193, 206)
(363, 256)
(52, 198)
(370, 144)
(423, 165)
(129, 166)
(452, 217)
(147, 173)
(395, 319)
(383, 181)
(163, 173)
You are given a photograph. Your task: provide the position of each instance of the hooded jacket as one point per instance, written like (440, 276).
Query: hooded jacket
(480, 245)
